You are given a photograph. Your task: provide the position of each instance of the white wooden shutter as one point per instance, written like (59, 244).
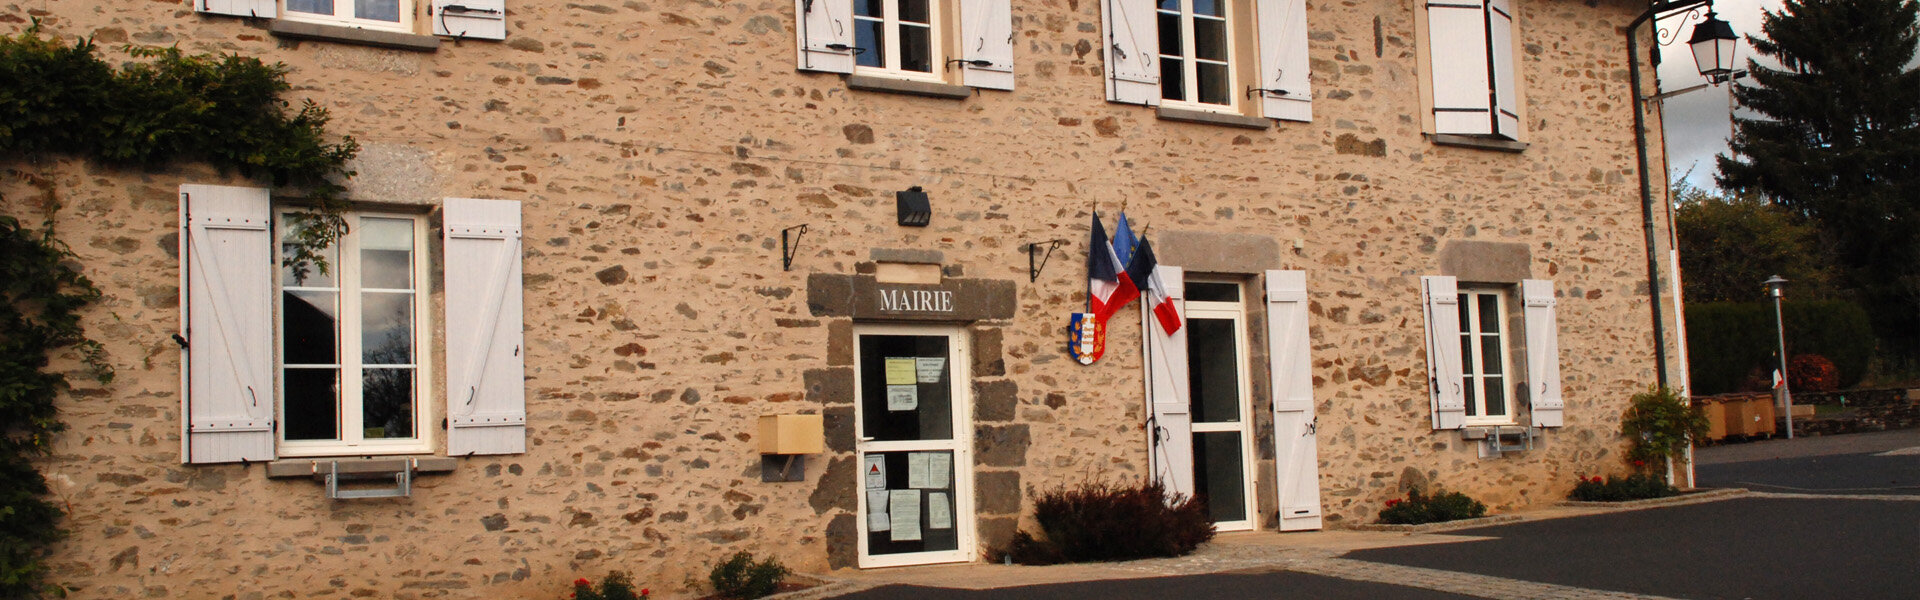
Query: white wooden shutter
(265, 9)
(1285, 81)
(1543, 352)
(1445, 383)
(1133, 52)
(824, 29)
(1168, 394)
(227, 265)
(1500, 31)
(986, 33)
(486, 391)
(1457, 47)
(470, 19)
(1295, 430)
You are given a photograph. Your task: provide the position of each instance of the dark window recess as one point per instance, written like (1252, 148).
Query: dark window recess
(1200, 291)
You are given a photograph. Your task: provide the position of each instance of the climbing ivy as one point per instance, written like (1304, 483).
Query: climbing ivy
(161, 107)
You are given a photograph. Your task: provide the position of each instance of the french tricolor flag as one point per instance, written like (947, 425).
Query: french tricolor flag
(1146, 268)
(1108, 285)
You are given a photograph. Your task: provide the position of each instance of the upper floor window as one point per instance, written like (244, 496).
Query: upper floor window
(396, 15)
(1473, 77)
(963, 42)
(897, 37)
(1196, 53)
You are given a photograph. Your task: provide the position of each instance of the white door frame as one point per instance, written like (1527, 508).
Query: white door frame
(1237, 312)
(960, 371)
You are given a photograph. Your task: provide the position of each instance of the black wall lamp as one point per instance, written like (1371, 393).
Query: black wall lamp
(913, 207)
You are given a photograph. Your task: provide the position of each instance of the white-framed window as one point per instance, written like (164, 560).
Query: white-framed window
(352, 340)
(1473, 81)
(393, 15)
(1484, 364)
(1196, 53)
(899, 38)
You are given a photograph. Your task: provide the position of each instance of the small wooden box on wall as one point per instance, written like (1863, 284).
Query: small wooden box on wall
(784, 442)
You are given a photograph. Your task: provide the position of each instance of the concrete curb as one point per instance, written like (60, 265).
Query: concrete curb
(1441, 526)
(827, 588)
(1686, 498)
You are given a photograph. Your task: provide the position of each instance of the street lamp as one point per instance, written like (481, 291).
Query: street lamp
(1713, 53)
(1776, 285)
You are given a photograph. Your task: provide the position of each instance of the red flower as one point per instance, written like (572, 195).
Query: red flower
(1639, 463)
(1596, 479)
(581, 582)
(644, 592)
(1392, 503)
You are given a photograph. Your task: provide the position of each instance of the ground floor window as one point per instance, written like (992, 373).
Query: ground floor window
(1483, 355)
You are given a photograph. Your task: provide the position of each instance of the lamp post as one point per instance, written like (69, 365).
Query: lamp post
(1776, 285)
(1713, 44)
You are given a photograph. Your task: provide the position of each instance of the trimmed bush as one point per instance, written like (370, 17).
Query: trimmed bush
(1812, 373)
(1419, 508)
(615, 587)
(1729, 340)
(1111, 521)
(1637, 486)
(740, 578)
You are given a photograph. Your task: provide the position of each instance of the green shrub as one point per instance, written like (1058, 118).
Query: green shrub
(1111, 521)
(1420, 508)
(741, 578)
(1660, 425)
(1614, 488)
(615, 587)
(1728, 340)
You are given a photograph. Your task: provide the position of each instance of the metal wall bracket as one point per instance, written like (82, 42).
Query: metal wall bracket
(789, 248)
(1037, 262)
(402, 477)
(775, 468)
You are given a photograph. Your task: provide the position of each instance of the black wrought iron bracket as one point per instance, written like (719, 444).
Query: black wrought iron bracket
(789, 246)
(1037, 262)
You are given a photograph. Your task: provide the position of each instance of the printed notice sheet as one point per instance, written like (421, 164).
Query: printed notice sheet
(900, 371)
(903, 397)
(877, 519)
(917, 470)
(876, 472)
(939, 511)
(939, 467)
(930, 369)
(904, 506)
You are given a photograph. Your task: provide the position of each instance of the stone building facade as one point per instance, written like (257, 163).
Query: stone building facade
(658, 150)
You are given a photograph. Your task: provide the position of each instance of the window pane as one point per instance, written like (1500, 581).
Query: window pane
(906, 406)
(386, 328)
(1213, 83)
(1210, 8)
(1466, 355)
(1489, 313)
(310, 275)
(1490, 354)
(1496, 396)
(312, 404)
(1219, 475)
(898, 465)
(318, 7)
(386, 253)
(1210, 39)
(386, 408)
(378, 10)
(1201, 291)
(1173, 81)
(1464, 308)
(913, 11)
(1170, 44)
(1213, 370)
(916, 48)
(870, 39)
(309, 328)
(870, 8)
(1172, 5)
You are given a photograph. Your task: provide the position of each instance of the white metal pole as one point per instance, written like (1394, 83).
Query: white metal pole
(1786, 391)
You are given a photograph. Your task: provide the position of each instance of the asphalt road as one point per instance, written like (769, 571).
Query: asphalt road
(1869, 463)
(1290, 586)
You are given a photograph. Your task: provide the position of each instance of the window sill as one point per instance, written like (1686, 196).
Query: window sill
(1213, 118)
(870, 83)
(317, 467)
(300, 30)
(1477, 142)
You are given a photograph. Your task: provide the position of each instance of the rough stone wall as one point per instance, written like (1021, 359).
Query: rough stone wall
(659, 148)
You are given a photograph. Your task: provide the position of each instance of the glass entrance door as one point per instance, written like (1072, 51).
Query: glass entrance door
(913, 404)
(1217, 374)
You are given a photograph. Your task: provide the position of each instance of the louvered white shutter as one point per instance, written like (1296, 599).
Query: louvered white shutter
(986, 33)
(265, 9)
(1457, 47)
(1133, 52)
(824, 29)
(470, 19)
(1295, 430)
(226, 264)
(486, 391)
(1543, 352)
(1284, 76)
(1500, 44)
(1445, 382)
(1168, 393)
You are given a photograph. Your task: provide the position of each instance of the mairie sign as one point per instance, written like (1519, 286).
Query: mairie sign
(894, 300)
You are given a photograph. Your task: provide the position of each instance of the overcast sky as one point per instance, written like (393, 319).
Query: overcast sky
(1697, 122)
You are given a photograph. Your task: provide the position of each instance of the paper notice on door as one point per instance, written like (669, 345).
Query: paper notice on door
(930, 369)
(903, 397)
(917, 470)
(900, 371)
(939, 468)
(876, 472)
(904, 508)
(877, 519)
(939, 511)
